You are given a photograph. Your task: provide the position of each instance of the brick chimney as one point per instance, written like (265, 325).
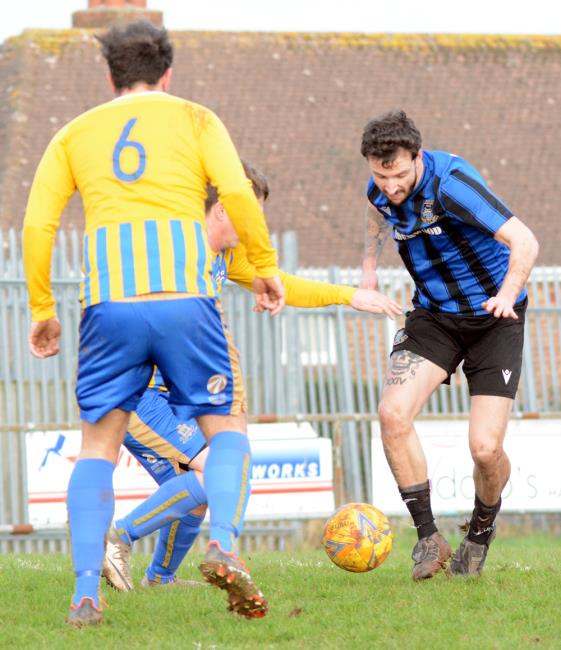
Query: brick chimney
(104, 13)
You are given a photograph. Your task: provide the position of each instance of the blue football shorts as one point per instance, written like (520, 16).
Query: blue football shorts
(163, 444)
(121, 342)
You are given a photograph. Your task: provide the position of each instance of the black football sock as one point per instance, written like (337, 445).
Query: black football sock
(417, 500)
(482, 520)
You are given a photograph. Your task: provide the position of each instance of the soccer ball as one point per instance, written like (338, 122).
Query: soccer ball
(358, 537)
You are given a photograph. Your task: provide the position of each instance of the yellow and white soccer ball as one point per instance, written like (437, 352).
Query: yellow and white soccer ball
(358, 537)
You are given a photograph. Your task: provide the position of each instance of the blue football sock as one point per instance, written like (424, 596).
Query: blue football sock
(174, 543)
(226, 477)
(90, 503)
(173, 500)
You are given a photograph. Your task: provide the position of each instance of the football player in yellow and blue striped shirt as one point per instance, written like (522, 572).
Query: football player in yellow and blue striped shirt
(141, 164)
(167, 446)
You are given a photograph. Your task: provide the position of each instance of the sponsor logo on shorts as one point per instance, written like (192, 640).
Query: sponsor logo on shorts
(217, 400)
(427, 215)
(400, 337)
(157, 465)
(186, 431)
(216, 384)
(506, 375)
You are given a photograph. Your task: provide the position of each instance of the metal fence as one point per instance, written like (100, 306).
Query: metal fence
(328, 361)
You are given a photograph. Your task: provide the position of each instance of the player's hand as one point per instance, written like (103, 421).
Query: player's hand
(500, 307)
(375, 303)
(269, 295)
(369, 279)
(44, 336)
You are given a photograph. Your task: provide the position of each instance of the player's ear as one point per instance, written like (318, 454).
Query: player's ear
(111, 82)
(221, 212)
(166, 79)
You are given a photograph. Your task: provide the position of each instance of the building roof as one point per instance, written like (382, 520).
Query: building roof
(296, 105)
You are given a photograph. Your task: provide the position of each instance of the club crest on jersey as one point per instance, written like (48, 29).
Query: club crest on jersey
(186, 431)
(427, 215)
(400, 336)
(219, 271)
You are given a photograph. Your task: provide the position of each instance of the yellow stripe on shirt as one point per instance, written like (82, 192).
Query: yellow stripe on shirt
(140, 259)
(167, 262)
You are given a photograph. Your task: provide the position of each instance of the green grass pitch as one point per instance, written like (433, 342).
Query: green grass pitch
(315, 605)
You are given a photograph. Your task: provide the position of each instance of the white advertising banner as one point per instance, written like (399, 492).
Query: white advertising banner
(534, 449)
(292, 474)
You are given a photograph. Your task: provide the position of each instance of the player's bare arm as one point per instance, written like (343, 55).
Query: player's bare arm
(523, 253)
(301, 292)
(376, 233)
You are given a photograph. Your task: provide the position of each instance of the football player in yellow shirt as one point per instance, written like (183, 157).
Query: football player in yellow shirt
(167, 446)
(141, 164)
(232, 262)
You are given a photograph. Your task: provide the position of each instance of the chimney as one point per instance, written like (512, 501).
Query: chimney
(104, 13)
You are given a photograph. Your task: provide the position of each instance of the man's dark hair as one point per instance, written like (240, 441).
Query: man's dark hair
(258, 181)
(385, 135)
(137, 52)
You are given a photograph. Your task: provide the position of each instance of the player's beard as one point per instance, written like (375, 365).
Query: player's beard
(408, 192)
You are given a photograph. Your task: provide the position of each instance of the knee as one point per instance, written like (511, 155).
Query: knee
(213, 424)
(486, 455)
(395, 422)
(102, 450)
(199, 511)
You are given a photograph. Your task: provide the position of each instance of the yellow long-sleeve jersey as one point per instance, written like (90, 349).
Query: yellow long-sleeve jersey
(141, 164)
(299, 292)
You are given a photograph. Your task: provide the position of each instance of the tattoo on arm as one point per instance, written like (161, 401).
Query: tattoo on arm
(403, 366)
(376, 233)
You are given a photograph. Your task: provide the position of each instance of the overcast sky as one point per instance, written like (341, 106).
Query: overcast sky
(426, 16)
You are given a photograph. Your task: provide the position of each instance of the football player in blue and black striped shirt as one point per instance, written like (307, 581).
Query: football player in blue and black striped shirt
(469, 257)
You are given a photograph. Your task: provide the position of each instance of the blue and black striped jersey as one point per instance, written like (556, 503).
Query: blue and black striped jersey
(445, 236)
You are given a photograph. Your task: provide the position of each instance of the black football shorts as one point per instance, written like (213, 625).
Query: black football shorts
(491, 348)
